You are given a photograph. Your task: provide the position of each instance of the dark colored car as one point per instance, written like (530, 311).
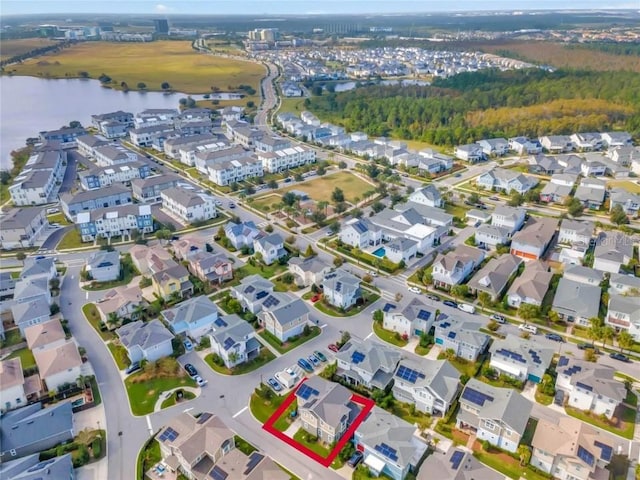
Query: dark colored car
(132, 368)
(191, 370)
(585, 346)
(554, 336)
(435, 298)
(620, 356)
(320, 356)
(306, 366)
(450, 303)
(274, 384)
(355, 459)
(333, 347)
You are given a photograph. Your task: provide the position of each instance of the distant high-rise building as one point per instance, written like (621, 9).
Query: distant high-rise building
(264, 35)
(161, 26)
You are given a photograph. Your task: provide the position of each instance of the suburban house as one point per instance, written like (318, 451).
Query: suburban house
(388, 444)
(309, 271)
(189, 245)
(59, 364)
(428, 195)
(591, 192)
(32, 429)
(589, 387)
(456, 464)
(194, 317)
(241, 234)
(476, 216)
(402, 250)
(12, 393)
(45, 335)
(360, 233)
(398, 226)
(325, 408)
(510, 218)
(283, 315)
(575, 232)
(415, 319)
(556, 143)
(613, 250)
(31, 468)
(579, 273)
(271, 247)
(532, 241)
(367, 363)
(576, 301)
(570, 449)
(593, 167)
(149, 341)
(616, 139)
(173, 145)
(210, 267)
(545, 165)
(624, 284)
(173, 280)
(623, 313)
(494, 277)
(123, 301)
(463, 337)
(122, 220)
(341, 289)
(586, 142)
(431, 385)
(234, 340)
(111, 196)
(494, 147)
(99, 177)
(227, 172)
(21, 227)
(559, 188)
(523, 145)
(7, 285)
(455, 266)
(149, 189)
(103, 266)
(150, 260)
(506, 180)
(491, 236)
(497, 415)
(31, 312)
(188, 206)
(32, 266)
(287, 158)
(252, 291)
(100, 121)
(522, 359)
(31, 288)
(630, 202)
(531, 286)
(471, 153)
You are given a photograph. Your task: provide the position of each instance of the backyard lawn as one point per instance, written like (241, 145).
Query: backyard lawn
(302, 437)
(119, 354)
(320, 188)
(144, 395)
(266, 271)
(388, 336)
(151, 63)
(263, 408)
(628, 185)
(26, 358)
(328, 309)
(71, 240)
(11, 337)
(291, 343)
(265, 356)
(624, 428)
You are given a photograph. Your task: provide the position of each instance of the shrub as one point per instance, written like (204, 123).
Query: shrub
(96, 447)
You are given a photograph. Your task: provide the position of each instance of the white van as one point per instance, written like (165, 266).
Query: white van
(465, 307)
(529, 328)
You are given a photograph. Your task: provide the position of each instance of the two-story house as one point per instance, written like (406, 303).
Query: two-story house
(12, 394)
(103, 266)
(623, 313)
(510, 218)
(494, 277)
(149, 341)
(367, 363)
(21, 227)
(210, 267)
(234, 341)
(188, 206)
(283, 315)
(341, 289)
(270, 247)
(506, 181)
(122, 220)
(533, 240)
(559, 188)
(415, 319)
(497, 415)
(494, 147)
(123, 301)
(149, 189)
(194, 317)
(252, 291)
(524, 360)
(428, 195)
(308, 271)
(455, 266)
(59, 364)
(531, 286)
(613, 249)
(241, 234)
(576, 301)
(471, 153)
(463, 337)
(360, 233)
(431, 385)
(173, 280)
(575, 232)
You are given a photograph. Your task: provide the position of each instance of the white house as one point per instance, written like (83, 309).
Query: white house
(59, 365)
(309, 271)
(576, 302)
(103, 266)
(623, 313)
(31, 312)
(194, 317)
(630, 202)
(507, 217)
(506, 180)
(241, 234)
(113, 154)
(149, 341)
(37, 182)
(471, 153)
(360, 233)
(21, 227)
(234, 340)
(616, 139)
(428, 195)
(494, 146)
(252, 291)
(523, 145)
(415, 319)
(341, 289)
(524, 360)
(12, 393)
(455, 266)
(227, 172)
(271, 247)
(463, 337)
(491, 236)
(283, 315)
(188, 206)
(367, 363)
(575, 232)
(556, 143)
(613, 249)
(287, 158)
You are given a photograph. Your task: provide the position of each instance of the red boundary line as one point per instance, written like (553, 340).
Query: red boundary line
(366, 403)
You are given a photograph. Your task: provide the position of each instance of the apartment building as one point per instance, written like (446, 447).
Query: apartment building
(116, 221)
(280, 160)
(113, 154)
(122, 173)
(229, 171)
(38, 181)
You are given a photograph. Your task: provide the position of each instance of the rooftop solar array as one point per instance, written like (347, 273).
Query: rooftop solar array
(512, 355)
(476, 397)
(572, 370)
(271, 302)
(451, 335)
(584, 386)
(445, 325)
(357, 357)
(305, 391)
(218, 474)
(228, 343)
(249, 289)
(456, 458)
(169, 434)
(254, 459)
(535, 357)
(563, 361)
(338, 286)
(387, 451)
(261, 295)
(408, 374)
(387, 307)
(605, 451)
(220, 322)
(424, 315)
(586, 456)
(204, 417)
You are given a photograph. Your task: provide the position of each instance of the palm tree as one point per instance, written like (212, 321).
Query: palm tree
(625, 340)
(524, 452)
(322, 205)
(82, 381)
(233, 358)
(139, 310)
(607, 334)
(112, 319)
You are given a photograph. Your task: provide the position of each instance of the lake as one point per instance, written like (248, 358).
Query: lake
(30, 105)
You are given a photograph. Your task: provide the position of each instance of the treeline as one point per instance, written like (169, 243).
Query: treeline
(36, 52)
(627, 49)
(452, 111)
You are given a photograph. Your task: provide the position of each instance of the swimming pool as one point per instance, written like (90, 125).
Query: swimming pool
(379, 252)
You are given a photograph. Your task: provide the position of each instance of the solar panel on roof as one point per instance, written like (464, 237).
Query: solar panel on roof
(572, 370)
(388, 307)
(563, 361)
(584, 386)
(338, 286)
(452, 335)
(305, 391)
(357, 357)
(409, 374)
(218, 474)
(424, 315)
(228, 343)
(204, 417)
(220, 322)
(387, 451)
(254, 459)
(169, 434)
(512, 355)
(271, 302)
(456, 458)
(605, 451)
(249, 289)
(261, 295)
(445, 325)
(476, 397)
(535, 357)
(586, 456)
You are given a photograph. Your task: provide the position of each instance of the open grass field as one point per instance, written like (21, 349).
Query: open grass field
(294, 105)
(151, 63)
(560, 55)
(11, 48)
(320, 188)
(628, 185)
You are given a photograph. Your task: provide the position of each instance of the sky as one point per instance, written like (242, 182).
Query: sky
(295, 7)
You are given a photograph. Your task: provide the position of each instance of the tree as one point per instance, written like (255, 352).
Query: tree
(378, 315)
(618, 216)
(484, 299)
(607, 334)
(165, 86)
(112, 319)
(163, 234)
(289, 199)
(516, 199)
(234, 306)
(20, 256)
(309, 252)
(526, 311)
(553, 317)
(268, 228)
(54, 283)
(142, 86)
(321, 170)
(377, 207)
(5, 177)
(337, 196)
(272, 184)
(574, 207)
(625, 340)
(459, 291)
(342, 164)
(338, 261)
(251, 104)
(524, 453)
(427, 278)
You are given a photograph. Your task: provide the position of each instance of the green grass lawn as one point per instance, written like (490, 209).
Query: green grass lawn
(266, 203)
(264, 357)
(93, 317)
(404, 411)
(26, 358)
(320, 188)
(508, 466)
(263, 409)
(280, 286)
(244, 446)
(127, 273)
(266, 271)
(290, 344)
(335, 312)
(301, 436)
(388, 336)
(293, 104)
(456, 210)
(58, 218)
(144, 395)
(627, 420)
(11, 337)
(148, 456)
(119, 354)
(463, 366)
(422, 351)
(72, 240)
(173, 399)
(628, 185)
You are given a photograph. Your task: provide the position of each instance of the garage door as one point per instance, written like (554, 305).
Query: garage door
(439, 341)
(534, 378)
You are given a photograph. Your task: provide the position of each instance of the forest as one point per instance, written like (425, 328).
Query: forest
(471, 106)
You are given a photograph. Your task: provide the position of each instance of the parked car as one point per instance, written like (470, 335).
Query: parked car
(619, 356)
(320, 356)
(415, 290)
(274, 384)
(287, 180)
(373, 273)
(554, 336)
(585, 346)
(232, 205)
(191, 370)
(333, 347)
(290, 371)
(528, 328)
(355, 459)
(450, 303)
(315, 298)
(188, 346)
(200, 381)
(313, 360)
(132, 368)
(306, 366)
(433, 297)
(465, 307)
(494, 198)
(329, 233)
(496, 317)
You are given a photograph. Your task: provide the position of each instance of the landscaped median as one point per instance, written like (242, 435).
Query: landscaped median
(217, 364)
(283, 347)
